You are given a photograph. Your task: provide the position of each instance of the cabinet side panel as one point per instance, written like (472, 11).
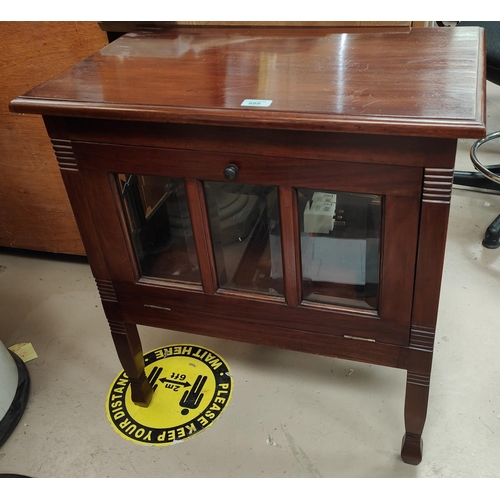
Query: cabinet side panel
(74, 188)
(71, 177)
(431, 249)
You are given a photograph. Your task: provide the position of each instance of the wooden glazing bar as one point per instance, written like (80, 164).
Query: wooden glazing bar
(290, 245)
(202, 238)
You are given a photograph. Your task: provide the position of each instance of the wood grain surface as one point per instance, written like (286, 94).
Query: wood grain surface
(428, 82)
(360, 113)
(34, 209)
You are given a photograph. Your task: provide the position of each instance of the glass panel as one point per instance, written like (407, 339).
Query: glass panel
(244, 223)
(158, 218)
(340, 246)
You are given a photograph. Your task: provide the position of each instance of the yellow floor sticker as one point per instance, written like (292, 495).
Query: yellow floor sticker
(192, 387)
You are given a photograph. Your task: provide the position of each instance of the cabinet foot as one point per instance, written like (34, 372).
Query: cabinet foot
(411, 449)
(417, 396)
(141, 391)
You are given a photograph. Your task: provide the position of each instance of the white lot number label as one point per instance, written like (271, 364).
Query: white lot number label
(259, 103)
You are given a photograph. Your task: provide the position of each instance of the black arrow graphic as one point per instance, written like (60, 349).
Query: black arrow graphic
(167, 381)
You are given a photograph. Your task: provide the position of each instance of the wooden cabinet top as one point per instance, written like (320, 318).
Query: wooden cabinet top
(428, 82)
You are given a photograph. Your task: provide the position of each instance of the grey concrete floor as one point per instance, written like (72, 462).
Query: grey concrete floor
(292, 414)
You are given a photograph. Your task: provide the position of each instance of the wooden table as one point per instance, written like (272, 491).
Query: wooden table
(285, 187)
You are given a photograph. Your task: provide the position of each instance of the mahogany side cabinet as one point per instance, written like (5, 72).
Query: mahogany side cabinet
(288, 187)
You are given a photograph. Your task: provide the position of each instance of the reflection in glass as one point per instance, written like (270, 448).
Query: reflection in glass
(159, 223)
(340, 247)
(244, 224)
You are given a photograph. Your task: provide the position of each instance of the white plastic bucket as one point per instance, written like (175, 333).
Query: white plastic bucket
(9, 378)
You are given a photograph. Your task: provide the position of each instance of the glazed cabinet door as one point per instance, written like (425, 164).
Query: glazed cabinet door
(313, 245)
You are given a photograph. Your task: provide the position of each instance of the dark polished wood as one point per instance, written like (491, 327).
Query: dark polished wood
(253, 169)
(128, 346)
(127, 26)
(436, 196)
(399, 239)
(358, 148)
(320, 81)
(203, 241)
(374, 114)
(290, 244)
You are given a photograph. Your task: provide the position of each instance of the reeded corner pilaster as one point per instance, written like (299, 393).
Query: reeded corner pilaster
(438, 183)
(106, 290)
(422, 338)
(64, 154)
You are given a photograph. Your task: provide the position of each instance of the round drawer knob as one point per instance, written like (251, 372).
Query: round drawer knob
(230, 172)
